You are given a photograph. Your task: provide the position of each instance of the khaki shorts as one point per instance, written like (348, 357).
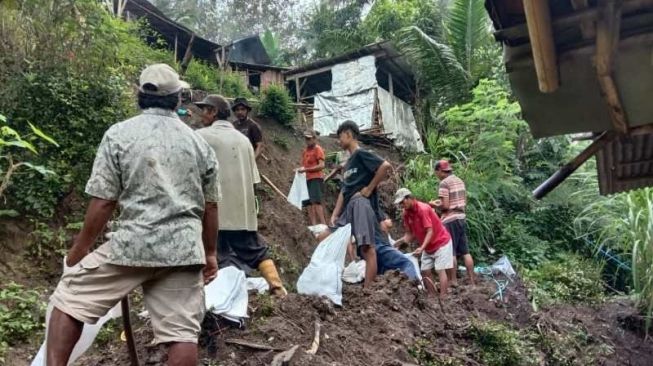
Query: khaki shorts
(174, 296)
(440, 260)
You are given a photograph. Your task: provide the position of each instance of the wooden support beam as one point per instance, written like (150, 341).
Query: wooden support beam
(571, 20)
(566, 170)
(586, 26)
(390, 86)
(538, 20)
(311, 72)
(298, 90)
(188, 55)
(607, 42)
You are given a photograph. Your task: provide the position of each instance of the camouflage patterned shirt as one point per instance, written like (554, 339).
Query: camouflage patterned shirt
(161, 173)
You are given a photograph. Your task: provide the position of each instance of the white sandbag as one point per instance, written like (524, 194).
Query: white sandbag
(89, 332)
(354, 272)
(298, 191)
(322, 276)
(317, 229)
(504, 266)
(411, 257)
(257, 283)
(227, 294)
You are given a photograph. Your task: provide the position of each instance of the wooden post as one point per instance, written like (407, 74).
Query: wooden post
(538, 20)
(390, 85)
(188, 55)
(586, 26)
(298, 90)
(567, 169)
(607, 41)
(176, 47)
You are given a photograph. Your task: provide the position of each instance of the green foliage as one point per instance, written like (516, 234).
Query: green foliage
(271, 43)
(44, 241)
(21, 314)
(420, 351)
(467, 31)
(276, 104)
(213, 80)
(74, 83)
(500, 345)
(282, 142)
(570, 279)
(13, 145)
(567, 344)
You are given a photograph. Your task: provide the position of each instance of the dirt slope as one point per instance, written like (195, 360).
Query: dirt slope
(391, 324)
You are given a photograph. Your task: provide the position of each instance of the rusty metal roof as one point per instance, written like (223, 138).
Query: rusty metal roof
(626, 163)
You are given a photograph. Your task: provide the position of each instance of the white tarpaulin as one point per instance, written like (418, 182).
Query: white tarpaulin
(354, 77)
(353, 95)
(398, 119)
(331, 111)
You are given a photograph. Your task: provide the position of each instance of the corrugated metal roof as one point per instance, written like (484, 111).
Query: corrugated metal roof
(626, 163)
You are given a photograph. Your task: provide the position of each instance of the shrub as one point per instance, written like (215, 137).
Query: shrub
(502, 346)
(276, 104)
(21, 314)
(213, 80)
(570, 279)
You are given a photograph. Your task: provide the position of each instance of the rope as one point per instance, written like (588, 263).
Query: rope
(501, 284)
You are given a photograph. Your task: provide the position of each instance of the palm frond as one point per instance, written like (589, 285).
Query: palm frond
(467, 29)
(437, 64)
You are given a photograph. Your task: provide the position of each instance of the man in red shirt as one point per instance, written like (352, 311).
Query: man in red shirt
(313, 165)
(423, 225)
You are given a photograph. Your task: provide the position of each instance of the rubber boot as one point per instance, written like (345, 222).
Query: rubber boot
(269, 272)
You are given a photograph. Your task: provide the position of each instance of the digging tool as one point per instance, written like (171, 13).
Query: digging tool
(269, 182)
(129, 334)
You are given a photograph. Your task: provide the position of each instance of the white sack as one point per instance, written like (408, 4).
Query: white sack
(415, 263)
(298, 191)
(227, 294)
(354, 272)
(322, 276)
(317, 229)
(89, 332)
(257, 283)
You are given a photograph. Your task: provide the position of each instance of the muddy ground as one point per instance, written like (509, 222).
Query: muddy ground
(391, 324)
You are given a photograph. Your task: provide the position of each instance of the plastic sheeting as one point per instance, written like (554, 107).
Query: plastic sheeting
(398, 119)
(352, 96)
(331, 111)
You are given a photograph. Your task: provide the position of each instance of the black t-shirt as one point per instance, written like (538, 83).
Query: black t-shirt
(359, 172)
(250, 129)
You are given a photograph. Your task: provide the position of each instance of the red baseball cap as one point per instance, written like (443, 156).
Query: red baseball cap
(443, 165)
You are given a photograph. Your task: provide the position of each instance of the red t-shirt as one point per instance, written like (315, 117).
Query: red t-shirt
(421, 217)
(311, 157)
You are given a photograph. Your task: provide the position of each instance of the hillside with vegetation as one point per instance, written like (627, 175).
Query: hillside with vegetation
(68, 71)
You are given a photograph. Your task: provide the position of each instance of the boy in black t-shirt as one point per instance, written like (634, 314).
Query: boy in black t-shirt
(358, 202)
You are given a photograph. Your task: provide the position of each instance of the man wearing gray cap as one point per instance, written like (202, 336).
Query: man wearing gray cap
(164, 178)
(239, 243)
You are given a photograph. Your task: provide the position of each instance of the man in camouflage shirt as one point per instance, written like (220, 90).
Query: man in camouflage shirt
(164, 178)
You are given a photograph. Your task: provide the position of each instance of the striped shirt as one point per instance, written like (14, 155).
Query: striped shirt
(453, 188)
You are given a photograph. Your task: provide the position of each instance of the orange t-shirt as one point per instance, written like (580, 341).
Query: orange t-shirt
(310, 158)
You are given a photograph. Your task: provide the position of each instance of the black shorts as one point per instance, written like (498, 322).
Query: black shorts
(241, 247)
(314, 191)
(458, 231)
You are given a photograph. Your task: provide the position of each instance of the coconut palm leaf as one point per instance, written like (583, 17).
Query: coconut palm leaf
(436, 62)
(467, 30)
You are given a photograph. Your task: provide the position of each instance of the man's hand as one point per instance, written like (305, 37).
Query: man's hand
(418, 251)
(300, 170)
(333, 220)
(435, 203)
(210, 271)
(366, 192)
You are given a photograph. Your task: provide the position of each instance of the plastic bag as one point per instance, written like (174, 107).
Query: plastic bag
(227, 295)
(504, 266)
(322, 276)
(257, 283)
(89, 332)
(298, 191)
(354, 272)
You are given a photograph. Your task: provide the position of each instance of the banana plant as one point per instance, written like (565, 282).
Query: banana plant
(13, 146)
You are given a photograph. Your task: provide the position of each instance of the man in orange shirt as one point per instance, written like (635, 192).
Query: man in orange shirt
(313, 165)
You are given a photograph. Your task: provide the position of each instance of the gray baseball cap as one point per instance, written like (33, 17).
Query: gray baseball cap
(401, 195)
(160, 80)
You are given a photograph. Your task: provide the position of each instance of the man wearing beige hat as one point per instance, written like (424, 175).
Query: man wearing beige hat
(238, 241)
(164, 178)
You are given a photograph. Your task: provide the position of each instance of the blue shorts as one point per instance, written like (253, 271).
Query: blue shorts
(389, 258)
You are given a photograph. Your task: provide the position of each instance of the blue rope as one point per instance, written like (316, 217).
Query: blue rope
(607, 254)
(501, 284)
